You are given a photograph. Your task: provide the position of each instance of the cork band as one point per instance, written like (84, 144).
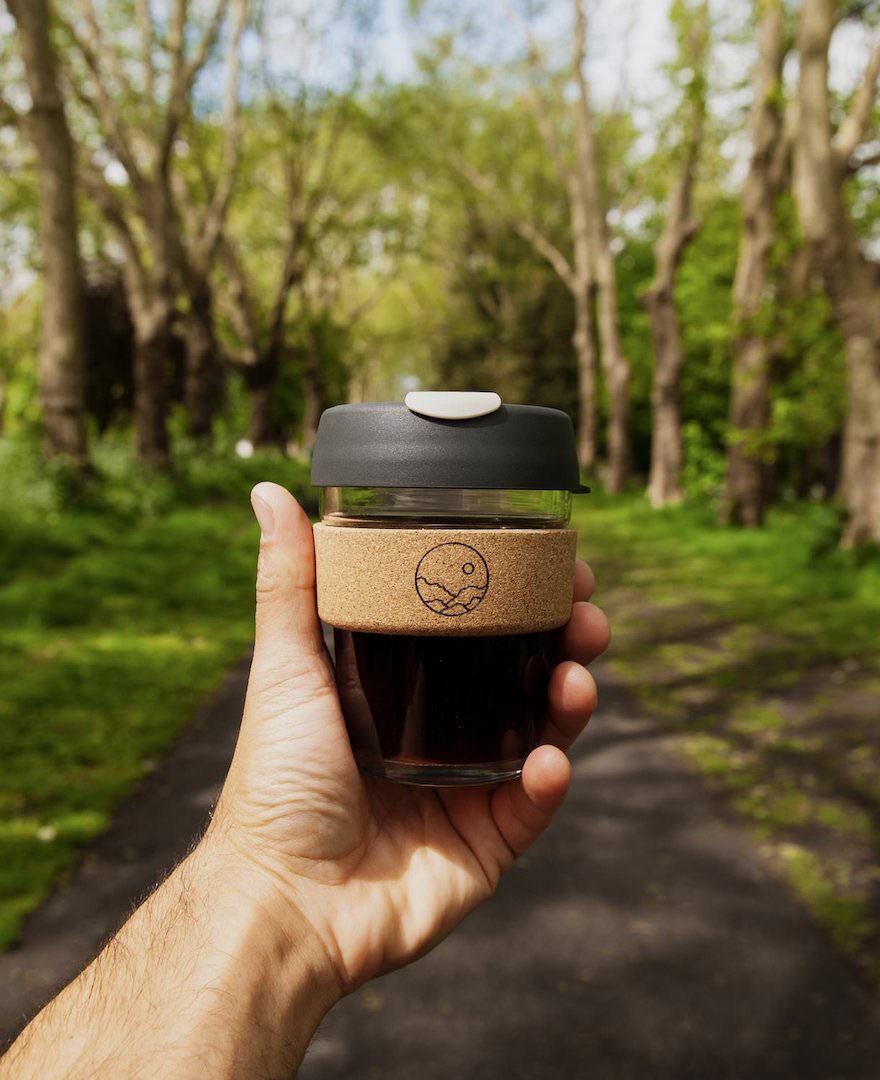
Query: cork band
(449, 582)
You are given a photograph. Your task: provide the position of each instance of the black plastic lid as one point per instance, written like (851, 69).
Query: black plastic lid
(386, 444)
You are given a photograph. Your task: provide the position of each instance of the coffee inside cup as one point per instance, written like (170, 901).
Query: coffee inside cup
(444, 565)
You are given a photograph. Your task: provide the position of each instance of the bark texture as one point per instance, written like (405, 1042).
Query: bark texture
(746, 474)
(850, 279)
(62, 351)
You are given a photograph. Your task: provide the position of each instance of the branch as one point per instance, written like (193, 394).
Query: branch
(93, 182)
(865, 162)
(855, 124)
(100, 45)
(542, 113)
(183, 72)
(147, 31)
(523, 228)
(102, 105)
(334, 140)
(240, 308)
(546, 249)
(219, 204)
(291, 273)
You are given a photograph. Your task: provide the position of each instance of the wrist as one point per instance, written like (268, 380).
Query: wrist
(251, 971)
(262, 926)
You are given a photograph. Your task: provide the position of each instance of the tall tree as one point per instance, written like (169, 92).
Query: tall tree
(142, 138)
(679, 227)
(578, 273)
(304, 141)
(589, 270)
(822, 165)
(62, 353)
(204, 211)
(615, 366)
(745, 484)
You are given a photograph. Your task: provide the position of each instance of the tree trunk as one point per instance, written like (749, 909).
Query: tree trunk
(152, 343)
(62, 352)
(587, 365)
(615, 365)
(850, 284)
(658, 300)
(201, 391)
(617, 378)
(746, 480)
(261, 379)
(313, 392)
(664, 486)
(849, 278)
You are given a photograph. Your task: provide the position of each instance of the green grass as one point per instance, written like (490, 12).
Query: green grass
(121, 607)
(123, 603)
(760, 648)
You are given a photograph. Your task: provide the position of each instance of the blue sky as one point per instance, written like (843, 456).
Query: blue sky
(637, 27)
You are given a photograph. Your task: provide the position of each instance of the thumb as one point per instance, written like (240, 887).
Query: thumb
(289, 642)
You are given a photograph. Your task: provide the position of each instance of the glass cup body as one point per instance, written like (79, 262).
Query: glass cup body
(435, 709)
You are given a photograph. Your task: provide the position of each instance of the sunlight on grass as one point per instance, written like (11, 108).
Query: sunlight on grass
(114, 630)
(760, 648)
(846, 916)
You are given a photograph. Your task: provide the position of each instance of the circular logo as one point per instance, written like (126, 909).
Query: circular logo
(451, 579)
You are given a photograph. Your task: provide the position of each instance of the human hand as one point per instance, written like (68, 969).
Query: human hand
(380, 871)
(311, 877)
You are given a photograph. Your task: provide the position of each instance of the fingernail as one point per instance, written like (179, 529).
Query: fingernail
(264, 515)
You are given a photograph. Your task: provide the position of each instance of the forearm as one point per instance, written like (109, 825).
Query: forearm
(214, 974)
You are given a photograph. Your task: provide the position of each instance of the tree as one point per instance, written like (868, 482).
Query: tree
(135, 102)
(62, 353)
(615, 365)
(679, 228)
(822, 166)
(745, 485)
(204, 210)
(303, 139)
(589, 272)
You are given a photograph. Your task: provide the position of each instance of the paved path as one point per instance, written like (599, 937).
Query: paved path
(642, 938)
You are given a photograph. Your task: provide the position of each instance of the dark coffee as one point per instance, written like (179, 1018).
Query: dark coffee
(442, 701)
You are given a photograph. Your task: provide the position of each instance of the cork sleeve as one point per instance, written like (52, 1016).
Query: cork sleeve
(445, 582)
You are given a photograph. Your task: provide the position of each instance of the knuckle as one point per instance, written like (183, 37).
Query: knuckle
(270, 581)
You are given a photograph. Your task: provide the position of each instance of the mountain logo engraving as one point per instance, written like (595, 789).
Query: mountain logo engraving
(452, 579)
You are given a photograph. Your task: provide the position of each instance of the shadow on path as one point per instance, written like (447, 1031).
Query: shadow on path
(641, 938)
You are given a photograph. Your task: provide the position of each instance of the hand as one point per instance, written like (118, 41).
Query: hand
(380, 872)
(311, 878)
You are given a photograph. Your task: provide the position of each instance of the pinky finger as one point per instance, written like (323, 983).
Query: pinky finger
(522, 809)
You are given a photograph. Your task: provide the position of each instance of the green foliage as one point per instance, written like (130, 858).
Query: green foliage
(119, 612)
(758, 650)
(703, 472)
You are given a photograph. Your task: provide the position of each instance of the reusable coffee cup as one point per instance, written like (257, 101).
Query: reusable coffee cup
(444, 563)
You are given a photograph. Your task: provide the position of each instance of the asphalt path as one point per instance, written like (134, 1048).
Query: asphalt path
(643, 937)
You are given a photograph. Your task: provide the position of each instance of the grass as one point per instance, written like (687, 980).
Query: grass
(760, 649)
(123, 604)
(120, 610)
